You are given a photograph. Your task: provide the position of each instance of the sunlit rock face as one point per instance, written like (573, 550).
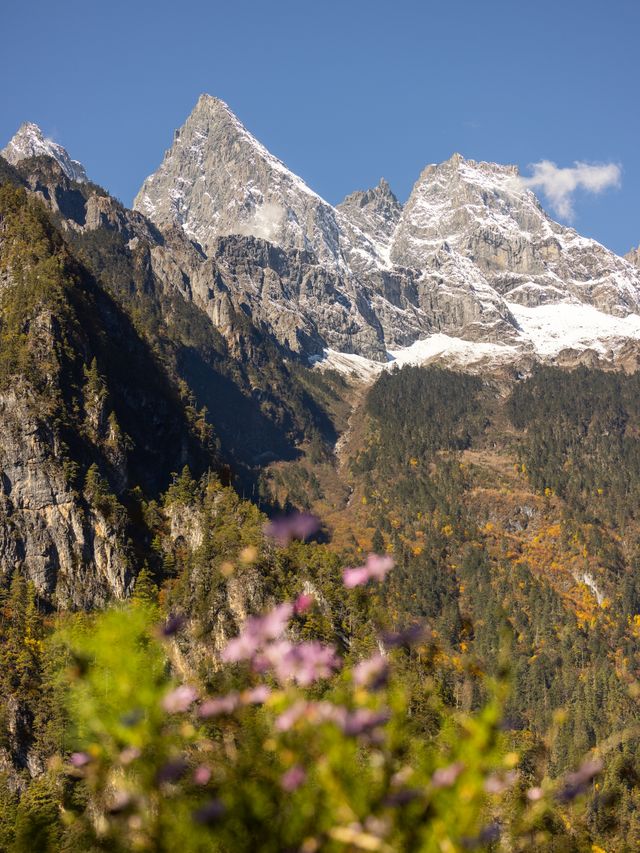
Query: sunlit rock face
(471, 246)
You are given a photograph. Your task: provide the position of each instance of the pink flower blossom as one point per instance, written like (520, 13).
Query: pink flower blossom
(287, 719)
(293, 778)
(303, 663)
(363, 720)
(180, 700)
(303, 603)
(202, 775)
(314, 713)
(240, 648)
(129, 754)
(219, 705)
(375, 568)
(372, 672)
(445, 777)
(497, 783)
(257, 631)
(119, 801)
(79, 759)
(355, 577)
(256, 696)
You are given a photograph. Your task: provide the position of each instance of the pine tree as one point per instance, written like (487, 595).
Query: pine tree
(145, 591)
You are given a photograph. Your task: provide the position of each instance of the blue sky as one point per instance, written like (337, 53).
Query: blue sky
(343, 92)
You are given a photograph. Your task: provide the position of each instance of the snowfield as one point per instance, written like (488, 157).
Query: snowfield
(544, 331)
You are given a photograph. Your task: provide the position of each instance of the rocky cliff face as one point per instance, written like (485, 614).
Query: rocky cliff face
(70, 552)
(87, 412)
(369, 219)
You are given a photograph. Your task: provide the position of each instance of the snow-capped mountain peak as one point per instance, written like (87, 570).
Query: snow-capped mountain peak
(29, 141)
(218, 179)
(375, 213)
(484, 212)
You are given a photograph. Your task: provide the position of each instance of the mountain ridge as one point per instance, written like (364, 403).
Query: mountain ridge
(471, 257)
(470, 241)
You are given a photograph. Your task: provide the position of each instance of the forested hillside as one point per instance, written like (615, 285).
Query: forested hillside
(446, 659)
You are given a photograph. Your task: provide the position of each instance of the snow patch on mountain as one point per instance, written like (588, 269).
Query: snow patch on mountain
(544, 332)
(553, 328)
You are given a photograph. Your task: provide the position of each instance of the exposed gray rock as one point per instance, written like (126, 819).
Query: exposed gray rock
(45, 530)
(633, 257)
(369, 218)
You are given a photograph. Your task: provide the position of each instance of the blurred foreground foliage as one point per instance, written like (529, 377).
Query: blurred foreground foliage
(362, 759)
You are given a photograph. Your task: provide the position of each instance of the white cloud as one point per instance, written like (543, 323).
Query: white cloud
(266, 222)
(558, 185)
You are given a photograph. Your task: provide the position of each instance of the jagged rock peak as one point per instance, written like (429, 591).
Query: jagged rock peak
(217, 179)
(634, 257)
(373, 215)
(379, 196)
(486, 213)
(29, 141)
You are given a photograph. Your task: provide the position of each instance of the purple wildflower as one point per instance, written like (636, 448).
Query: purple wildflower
(293, 778)
(298, 525)
(412, 634)
(256, 695)
(120, 802)
(79, 759)
(489, 834)
(287, 719)
(313, 712)
(180, 700)
(362, 721)
(303, 663)
(578, 783)
(403, 797)
(209, 812)
(257, 631)
(535, 794)
(498, 783)
(172, 771)
(129, 754)
(173, 624)
(375, 568)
